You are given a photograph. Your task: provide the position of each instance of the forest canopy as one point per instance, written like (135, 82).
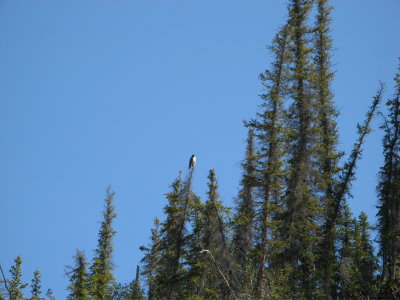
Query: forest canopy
(291, 233)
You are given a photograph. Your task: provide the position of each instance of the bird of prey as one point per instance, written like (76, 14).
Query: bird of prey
(192, 161)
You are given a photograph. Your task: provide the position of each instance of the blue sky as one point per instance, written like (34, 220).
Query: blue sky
(94, 93)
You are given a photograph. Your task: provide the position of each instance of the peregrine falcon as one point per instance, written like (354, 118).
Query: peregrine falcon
(192, 161)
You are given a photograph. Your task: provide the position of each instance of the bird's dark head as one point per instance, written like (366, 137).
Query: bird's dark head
(192, 155)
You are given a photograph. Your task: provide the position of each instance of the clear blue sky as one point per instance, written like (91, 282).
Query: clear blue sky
(94, 93)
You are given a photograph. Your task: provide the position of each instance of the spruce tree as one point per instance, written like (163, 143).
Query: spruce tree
(388, 195)
(101, 277)
(358, 263)
(243, 221)
(327, 155)
(79, 278)
(36, 285)
(15, 284)
(366, 261)
(173, 244)
(136, 289)
(345, 252)
(300, 230)
(151, 260)
(268, 129)
(211, 273)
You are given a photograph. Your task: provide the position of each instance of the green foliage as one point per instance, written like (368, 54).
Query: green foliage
(49, 295)
(151, 259)
(388, 190)
(292, 235)
(357, 262)
(15, 284)
(326, 153)
(301, 204)
(36, 285)
(243, 221)
(267, 177)
(214, 240)
(79, 278)
(164, 261)
(101, 277)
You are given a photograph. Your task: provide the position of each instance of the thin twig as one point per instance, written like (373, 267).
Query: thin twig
(5, 282)
(66, 273)
(220, 272)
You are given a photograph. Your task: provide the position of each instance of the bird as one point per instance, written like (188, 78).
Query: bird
(192, 161)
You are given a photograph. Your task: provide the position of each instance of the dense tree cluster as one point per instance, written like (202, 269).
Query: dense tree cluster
(291, 234)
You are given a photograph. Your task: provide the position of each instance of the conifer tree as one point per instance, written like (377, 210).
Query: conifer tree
(243, 222)
(210, 265)
(36, 285)
(136, 289)
(327, 155)
(348, 173)
(101, 277)
(358, 263)
(79, 278)
(345, 252)
(172, 249)
(15, 284)
(301, 204)
(365, 260)
(388, 194)
(151, 260)
(268, 129)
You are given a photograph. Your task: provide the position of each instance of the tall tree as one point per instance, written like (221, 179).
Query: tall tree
(388, 194)
(327, 156)
(211, 269)
(36, 285)
(151, 260)
(79, 278)
(15, 284)
(101, 277)
(172, 249)
(243, 222)
(358, 263)
(365, 260)
(268, 129)
(302, 208)
(136, 289)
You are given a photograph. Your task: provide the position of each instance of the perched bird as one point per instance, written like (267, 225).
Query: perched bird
(192, 161)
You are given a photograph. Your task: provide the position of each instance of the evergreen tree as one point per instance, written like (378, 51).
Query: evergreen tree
(327, 155)
(151, 260)
(101, 277)
(301, 203)
(15, 284)
(79, 278)
(36, 285)
(121, 291)
(388, 193)
(365, 260)
(358, 263)
(345, 253)
(173, 244)
(268, 129)
(210, 266)
(243, 222)
(136, 289)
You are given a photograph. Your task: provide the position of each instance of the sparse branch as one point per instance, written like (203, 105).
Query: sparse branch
(350, 166)
(220, 272)
(66, 273)
(5, 282)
